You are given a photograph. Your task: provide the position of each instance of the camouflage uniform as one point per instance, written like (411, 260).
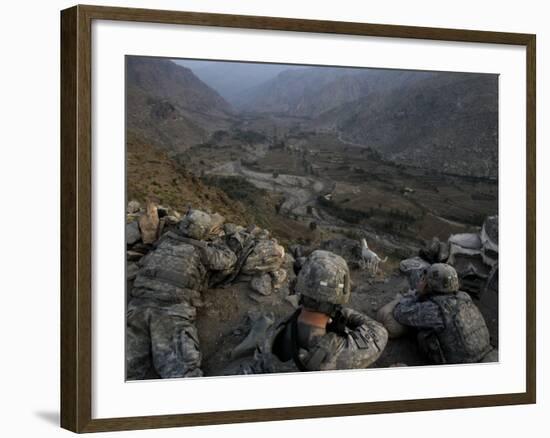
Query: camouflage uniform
(351, 340)
(450, 327)
(357, 346)
(161, 336)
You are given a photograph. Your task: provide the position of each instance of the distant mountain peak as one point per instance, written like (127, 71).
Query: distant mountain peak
(169, 105)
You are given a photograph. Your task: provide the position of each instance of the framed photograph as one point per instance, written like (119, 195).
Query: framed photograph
(256, 209)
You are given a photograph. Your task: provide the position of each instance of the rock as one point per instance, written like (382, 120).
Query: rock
(293, 300)
(133, 256)
(278, 278)
(171, 220)
(197, 302)
(490, 229)
(489, 240)
(149, 223)
(133, 217)
(261, 299)
(257, 335)
(266, 256)
(132, 233)
(133, 207)
(466, 240)
(262, 284)
(142, 248)
(131, 271)
(475, 257)
(470, 266)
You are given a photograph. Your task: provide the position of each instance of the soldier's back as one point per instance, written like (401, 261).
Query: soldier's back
(465, 337)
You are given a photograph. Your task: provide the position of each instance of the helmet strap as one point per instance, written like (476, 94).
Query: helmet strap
(326, 308)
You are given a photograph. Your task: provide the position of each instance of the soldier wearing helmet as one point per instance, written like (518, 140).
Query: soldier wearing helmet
(322, 334)
(450, 327)
(161, 335)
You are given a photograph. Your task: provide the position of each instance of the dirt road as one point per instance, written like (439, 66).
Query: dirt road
(300, 191)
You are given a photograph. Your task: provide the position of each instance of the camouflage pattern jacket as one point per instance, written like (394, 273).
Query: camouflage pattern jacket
(451, 327)
(359, 345)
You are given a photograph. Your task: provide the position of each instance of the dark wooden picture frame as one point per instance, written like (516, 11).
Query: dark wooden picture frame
(76, 218)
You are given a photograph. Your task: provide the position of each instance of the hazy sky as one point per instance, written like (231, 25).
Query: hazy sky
(231, 79)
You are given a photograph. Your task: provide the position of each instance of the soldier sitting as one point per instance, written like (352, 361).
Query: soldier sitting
(450, 328)
(161, 336)
(321, 334)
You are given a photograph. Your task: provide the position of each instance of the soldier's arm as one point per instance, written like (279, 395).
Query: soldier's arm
(365, 331)
(218, 257)
(362, 345)
(355, 319)
(412, 312)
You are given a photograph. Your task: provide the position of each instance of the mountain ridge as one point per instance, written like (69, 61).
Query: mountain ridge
(169, 105)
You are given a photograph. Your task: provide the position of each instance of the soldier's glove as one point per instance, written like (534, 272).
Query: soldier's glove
(337, 324)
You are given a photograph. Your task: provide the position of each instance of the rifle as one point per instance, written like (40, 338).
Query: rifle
(338, 322)
(172, 235)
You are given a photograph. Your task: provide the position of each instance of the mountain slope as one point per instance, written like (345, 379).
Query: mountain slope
(151, 172)
(310, 92)
(169, 105)
(448, 123)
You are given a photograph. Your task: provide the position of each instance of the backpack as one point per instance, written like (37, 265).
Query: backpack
(465, 338)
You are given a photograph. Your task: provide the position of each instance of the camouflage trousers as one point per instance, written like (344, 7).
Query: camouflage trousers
(161, 340)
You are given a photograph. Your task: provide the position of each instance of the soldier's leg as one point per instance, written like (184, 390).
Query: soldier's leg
(138, 344)
(175, 343)
(260, 363)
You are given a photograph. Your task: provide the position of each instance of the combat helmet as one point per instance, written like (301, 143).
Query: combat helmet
(199, 225)
(324, 281)
(442, 278)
